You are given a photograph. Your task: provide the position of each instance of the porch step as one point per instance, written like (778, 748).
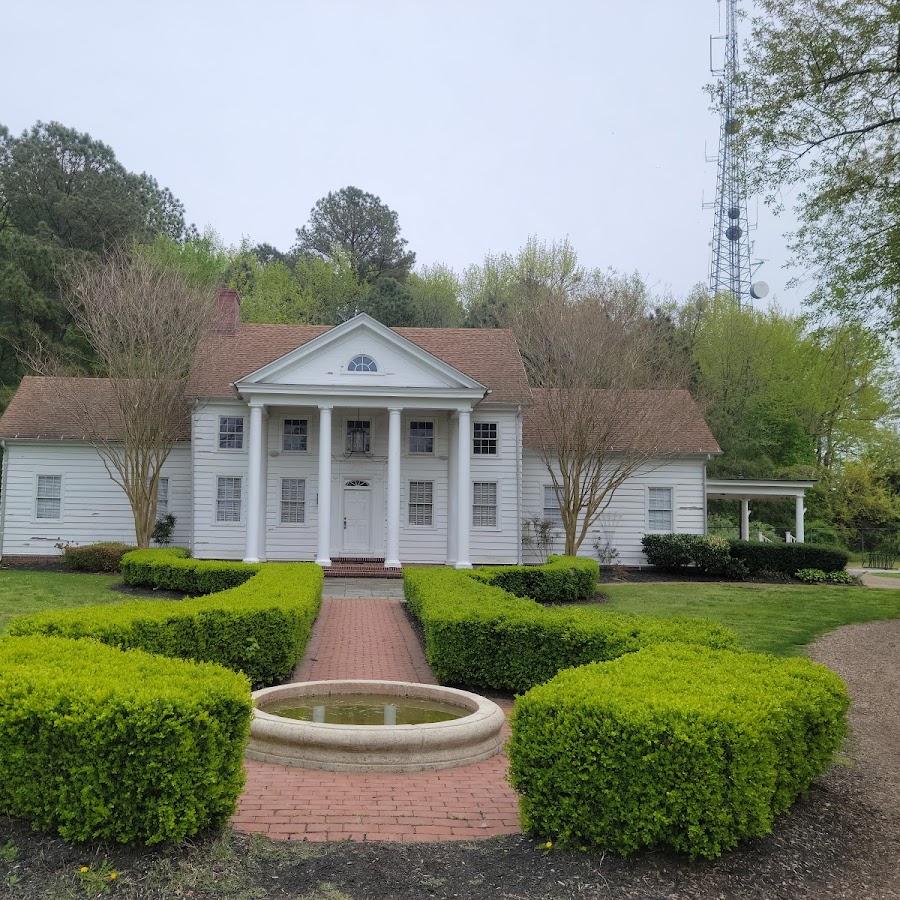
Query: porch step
(360, 567)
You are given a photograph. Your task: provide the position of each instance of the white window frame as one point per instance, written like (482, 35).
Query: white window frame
(428, 507)
(556, 517)
(344, 435)
(302, 502)
(303, 421)
(368, 356)
(228, 523)
(496, 525)
(243, 433)
(162, 497)
(671, 510)
(472, 439)
(422, 420)
(38, 497)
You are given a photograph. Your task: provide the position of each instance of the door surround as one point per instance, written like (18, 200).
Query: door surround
(356, 533)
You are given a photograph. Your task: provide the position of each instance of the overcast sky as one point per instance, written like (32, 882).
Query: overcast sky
(478, 122)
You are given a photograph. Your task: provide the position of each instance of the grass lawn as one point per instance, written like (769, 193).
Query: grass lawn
(23, 592)
(772, 618)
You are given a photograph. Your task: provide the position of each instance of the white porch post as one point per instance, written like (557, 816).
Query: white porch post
(452, 478)
(463, 489)
(323, 554)
(745, 519)
(392, 545)
(255, 487)
(799, 512)
(264, 486)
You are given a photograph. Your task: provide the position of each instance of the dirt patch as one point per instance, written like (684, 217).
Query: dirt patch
(120, 587)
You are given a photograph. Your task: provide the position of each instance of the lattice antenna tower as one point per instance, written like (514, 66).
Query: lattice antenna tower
(730, 268)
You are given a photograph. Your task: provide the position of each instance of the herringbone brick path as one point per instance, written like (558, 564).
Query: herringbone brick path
(369, 638)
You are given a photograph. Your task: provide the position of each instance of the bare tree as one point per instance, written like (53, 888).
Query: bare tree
(146, 324)
(607, 397)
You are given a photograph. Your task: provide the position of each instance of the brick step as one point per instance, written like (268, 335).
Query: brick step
(357, 560)
(360, 570)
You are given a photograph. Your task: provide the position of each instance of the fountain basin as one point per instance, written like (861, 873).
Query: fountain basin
(476, 735)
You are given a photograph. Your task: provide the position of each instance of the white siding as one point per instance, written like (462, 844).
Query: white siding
(626, 520)
(94, 508)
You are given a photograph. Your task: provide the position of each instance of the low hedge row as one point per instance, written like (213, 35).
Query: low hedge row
(122, 746)
(259, 627)
(561, 579)
(685, 746)
(103, 557)
(480, 635)
(788, 558)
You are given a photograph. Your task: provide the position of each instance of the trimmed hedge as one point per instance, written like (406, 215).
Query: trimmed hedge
(561, 579)
(122, 746)
(103, 557)
(788, 558)
(259, 627)
(685, 746)
(480, 635)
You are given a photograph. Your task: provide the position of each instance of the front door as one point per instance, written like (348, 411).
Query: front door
(357, 516)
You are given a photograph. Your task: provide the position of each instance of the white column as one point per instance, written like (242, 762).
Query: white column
(463, 489)
(799, 512)
(452, 469)
(745, 520)
(323, 555)
(392, 544)
(264, 486)
(254, 482)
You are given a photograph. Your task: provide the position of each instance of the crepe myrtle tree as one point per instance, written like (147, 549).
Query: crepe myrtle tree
(145, 323)
(597, 365)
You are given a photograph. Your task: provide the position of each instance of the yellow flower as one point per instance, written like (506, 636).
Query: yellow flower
(112, 875)
(84, 868)
(549, 844)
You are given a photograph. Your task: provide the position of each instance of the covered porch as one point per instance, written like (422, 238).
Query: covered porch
(746, 489)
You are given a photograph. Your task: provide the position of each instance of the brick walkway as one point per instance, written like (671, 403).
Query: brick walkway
(368, 638)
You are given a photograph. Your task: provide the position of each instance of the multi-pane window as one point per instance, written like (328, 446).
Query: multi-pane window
(421, 437)
(293, 501)
(660, 509)
(421, 502)
(359, 436)
(49, 497)
(362, 363)
(231, 432)
(551, 505)
(484, 504)
(162, 498)
(293, 435)
(228, 499)
(485, 439)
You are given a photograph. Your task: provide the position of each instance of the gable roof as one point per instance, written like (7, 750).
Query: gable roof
(667, 421)
(37, 410)
(489, 356)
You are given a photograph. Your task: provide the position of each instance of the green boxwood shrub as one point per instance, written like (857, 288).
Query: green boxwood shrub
(709, 554)
(685, 746)
(103, 557)
(260, 626)
(817, 576)
(788, 558)
(121, 746)
(561, 579)
(480, 635)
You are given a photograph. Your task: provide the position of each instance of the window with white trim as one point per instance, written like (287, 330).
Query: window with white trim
(293, 435)
(231, 432)
(162, 498)
(293, 501)
(421, 503)
(48, 501)
(228, 498)
(362, 363)
(659, 507)
(551, 505)
(421, 437)
(484, 438)
(484, 504)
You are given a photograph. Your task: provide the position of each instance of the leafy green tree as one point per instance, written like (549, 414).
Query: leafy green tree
(357, 224)
(202, 260)
(435, 293)
(391, 303)
(822, 122)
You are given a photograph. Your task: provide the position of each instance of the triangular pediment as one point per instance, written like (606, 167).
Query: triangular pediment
(326, 361)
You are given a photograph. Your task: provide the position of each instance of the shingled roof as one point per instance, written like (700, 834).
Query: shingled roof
(490, 356)
(664, 421)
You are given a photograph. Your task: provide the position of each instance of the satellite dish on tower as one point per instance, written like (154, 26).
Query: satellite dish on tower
(758, 290)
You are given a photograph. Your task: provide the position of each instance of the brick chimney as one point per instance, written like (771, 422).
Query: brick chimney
(228, 311)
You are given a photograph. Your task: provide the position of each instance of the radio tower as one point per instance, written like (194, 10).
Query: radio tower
(730, 267)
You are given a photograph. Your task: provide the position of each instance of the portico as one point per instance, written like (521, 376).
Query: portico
(747, 489)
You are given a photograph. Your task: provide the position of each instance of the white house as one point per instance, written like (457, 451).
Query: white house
(407, 445)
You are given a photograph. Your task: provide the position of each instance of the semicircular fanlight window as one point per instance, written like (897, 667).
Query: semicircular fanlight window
(362, 363)
(357, 484)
